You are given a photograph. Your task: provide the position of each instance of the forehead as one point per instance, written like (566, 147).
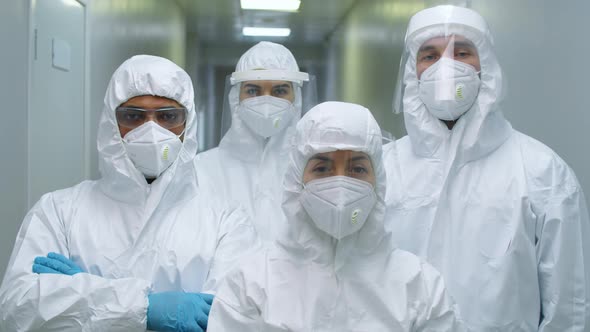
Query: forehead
(443, 42)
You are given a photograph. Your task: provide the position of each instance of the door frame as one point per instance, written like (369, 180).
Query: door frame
(32, 55)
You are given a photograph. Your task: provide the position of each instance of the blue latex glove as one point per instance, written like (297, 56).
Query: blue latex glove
(55, 263)
(177, 311)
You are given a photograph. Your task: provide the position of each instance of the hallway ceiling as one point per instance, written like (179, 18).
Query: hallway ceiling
(220, 22)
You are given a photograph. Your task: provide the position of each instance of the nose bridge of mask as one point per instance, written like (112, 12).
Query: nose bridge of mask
(181, 133)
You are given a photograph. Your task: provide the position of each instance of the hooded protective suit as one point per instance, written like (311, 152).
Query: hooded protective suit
(312, 282)
(132, 238)
(497, 212)
(248, 168)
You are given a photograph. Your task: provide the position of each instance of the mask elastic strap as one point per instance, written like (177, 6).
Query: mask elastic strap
(182, 132)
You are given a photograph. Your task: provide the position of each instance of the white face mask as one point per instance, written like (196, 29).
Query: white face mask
(449, 88)
(266, 115)
(338, 205)
(152, 148)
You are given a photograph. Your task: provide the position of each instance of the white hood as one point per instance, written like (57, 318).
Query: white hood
(483, 128)
(332, 126)
(145, 75)
(240, 141)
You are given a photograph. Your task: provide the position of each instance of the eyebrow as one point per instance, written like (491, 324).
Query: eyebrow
(157, 108)
(457, 44)
(322, 158)
(357, 158)
(285, 85)
(251, 85)
(464, 43)
(425, 48)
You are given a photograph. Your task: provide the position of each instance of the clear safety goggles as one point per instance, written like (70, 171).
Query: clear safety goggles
(167, 117)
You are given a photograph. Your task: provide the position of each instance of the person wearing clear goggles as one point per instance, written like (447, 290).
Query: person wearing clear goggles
(334, 267)
(141, 247)
(501, 215)
(152, 129)
(266, 96)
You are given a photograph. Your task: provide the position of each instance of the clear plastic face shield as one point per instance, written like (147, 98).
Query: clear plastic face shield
(442, 64)
(446, 70)
(267, 101)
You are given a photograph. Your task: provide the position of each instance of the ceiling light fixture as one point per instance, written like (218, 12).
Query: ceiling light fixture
(279, 5)
(267, 32)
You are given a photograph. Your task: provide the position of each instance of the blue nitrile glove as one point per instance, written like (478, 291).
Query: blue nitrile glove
(177, 311)
(55, 263)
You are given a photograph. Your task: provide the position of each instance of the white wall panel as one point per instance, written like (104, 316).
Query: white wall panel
(56, 97)
(14, 29)
(542, 46)
(120, 29)
(116, 30)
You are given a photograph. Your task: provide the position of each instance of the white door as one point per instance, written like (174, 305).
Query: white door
(56, 98)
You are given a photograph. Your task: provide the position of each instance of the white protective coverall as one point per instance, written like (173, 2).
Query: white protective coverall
(247, 168)
(132, 238)
(501, 215)
(312, 282)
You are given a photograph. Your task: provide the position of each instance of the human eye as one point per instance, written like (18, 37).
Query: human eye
(133, 116)
(171, 117)
(168, 116)
(428, 57)
(462, 54)
(320, 169)
(251, 91)
(359, 170)
(281, 91)
(167, 119)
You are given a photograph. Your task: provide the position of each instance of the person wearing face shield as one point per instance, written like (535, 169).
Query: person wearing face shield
(334, 267)
(265, 98)
(501, 215)
(141, 247)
